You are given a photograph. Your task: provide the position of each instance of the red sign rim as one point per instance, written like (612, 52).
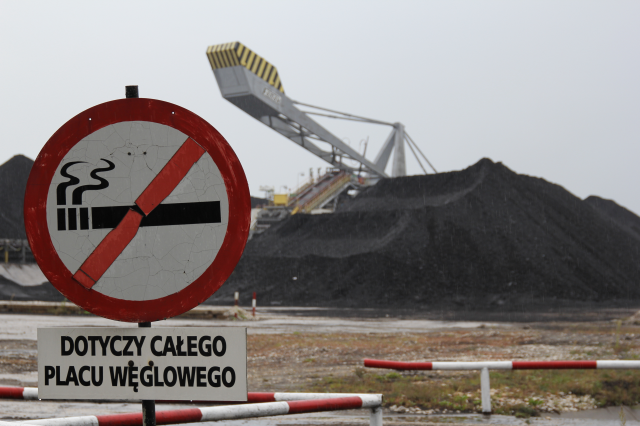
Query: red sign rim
(137, 109)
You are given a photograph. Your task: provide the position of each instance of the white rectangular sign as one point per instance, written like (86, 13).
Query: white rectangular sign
(203, 363)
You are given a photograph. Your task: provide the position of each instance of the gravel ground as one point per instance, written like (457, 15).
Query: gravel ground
(291, 353)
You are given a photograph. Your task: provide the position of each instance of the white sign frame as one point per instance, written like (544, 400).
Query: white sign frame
(143, 363)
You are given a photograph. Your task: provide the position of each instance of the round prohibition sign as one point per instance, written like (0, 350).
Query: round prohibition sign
(137, 210)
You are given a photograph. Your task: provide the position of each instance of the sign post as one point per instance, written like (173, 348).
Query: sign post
(136, 210)
(148, 405)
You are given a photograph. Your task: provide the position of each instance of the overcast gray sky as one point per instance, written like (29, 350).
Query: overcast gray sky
(550, 88)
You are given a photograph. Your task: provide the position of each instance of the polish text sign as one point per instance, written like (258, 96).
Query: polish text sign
(137, 210)
(199, 363)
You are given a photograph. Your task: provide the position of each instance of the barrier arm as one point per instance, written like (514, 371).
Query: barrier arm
(485, 366)
(261, 404)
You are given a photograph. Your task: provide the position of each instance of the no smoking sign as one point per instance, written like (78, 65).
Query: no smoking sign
(137, 210)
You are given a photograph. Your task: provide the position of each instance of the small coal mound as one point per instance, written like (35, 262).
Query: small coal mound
(16, 292)
(13, 183)
(480, 238)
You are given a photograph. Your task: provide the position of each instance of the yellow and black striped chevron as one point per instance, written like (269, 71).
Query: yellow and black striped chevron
(235, 53)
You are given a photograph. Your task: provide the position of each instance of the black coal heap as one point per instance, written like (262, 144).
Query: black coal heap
(483, 236)
(13, 183)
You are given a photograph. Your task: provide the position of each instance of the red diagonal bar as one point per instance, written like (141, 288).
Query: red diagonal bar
(108, 250)
(170, 176)
(117, 240)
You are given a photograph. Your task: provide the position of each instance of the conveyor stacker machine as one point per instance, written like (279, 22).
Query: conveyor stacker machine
(252, 84)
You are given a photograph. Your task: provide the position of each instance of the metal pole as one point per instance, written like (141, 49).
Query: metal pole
(148, 405)
(370, 120)
(131, 91)
(375, 418)
(415, 155)
(420, 151)
(485, 390)
(399, 165)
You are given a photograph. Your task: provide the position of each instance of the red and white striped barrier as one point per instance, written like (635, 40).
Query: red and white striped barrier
(7, 392)
(503, 365)
(485, 366)
(260, 404)
(210, 414)
(14, 392)
(302, 396)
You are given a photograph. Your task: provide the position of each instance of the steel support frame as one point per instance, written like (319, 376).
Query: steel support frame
(302, 136)
(258, 99)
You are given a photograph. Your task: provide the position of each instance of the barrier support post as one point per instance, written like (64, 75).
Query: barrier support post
(485, 390)
(253, 304)
(148, 405)
(375, 418)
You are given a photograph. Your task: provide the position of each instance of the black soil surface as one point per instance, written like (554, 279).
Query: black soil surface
(13, 183)
(481, 238)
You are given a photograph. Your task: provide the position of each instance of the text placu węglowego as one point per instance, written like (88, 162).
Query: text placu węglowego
(203, 363)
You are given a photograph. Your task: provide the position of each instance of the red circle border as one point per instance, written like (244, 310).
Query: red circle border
(137, 109)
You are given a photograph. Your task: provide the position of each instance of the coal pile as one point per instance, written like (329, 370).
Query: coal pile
(13, 183)
(616, 214)
(483, 237)
(43, 292)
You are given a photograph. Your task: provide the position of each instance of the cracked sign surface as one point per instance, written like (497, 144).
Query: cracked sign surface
(137, 210)
(99, 181)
